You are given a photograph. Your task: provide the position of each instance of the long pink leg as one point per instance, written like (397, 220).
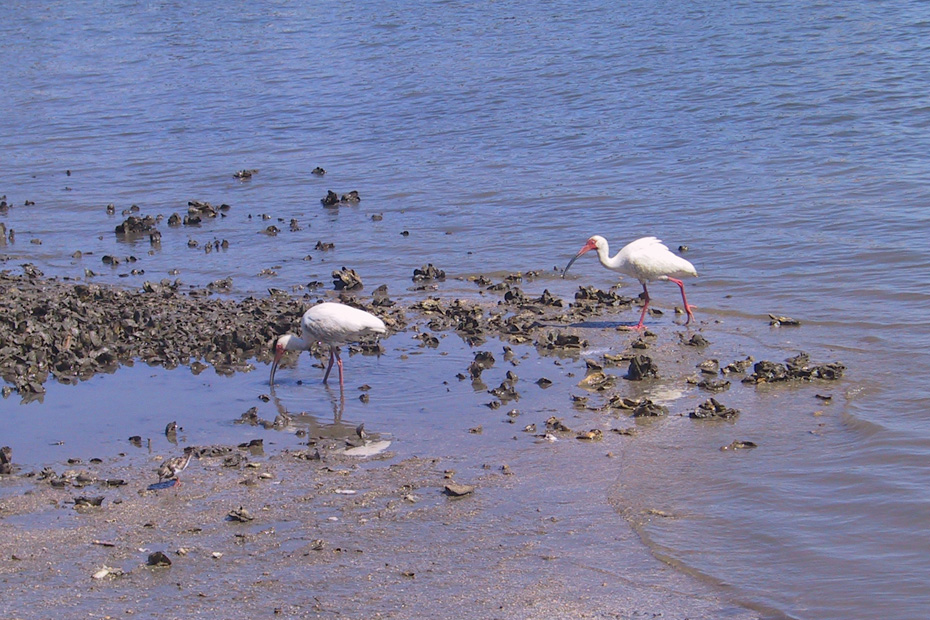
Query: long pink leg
(684, 299)
(339, 363)
(332, 357)
(642, 316)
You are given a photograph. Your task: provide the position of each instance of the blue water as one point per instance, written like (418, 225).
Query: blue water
(784, 143)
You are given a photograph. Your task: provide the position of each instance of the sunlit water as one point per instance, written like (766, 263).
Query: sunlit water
(784, 143)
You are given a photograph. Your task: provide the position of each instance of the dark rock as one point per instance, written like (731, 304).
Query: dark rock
(200, 452)
(797, 367)
(768, 372)
(505, 392)
(711, 409)
(6, 460)
(380, 297)
(250, 417)
(32, 272)
(514, 296)
(739, 445)
(778, 321)
(714, 385)
(428, 340)
(197, 210)
(621, 402)
(641, 366)
(239, 514)
(548, 299)
(221, 286)
(559, 340)
(696, 340)
(597, 381)
(830, 372)
(134, 225)
(458, 490)
(737, 367)
(485, 359)
(428, 272)
(596, 297)
(158, 558)
(331, 199)
(556, 425)
(82, 501)
(346, 279)
(233, 460)
(648, 409)
(352, 198)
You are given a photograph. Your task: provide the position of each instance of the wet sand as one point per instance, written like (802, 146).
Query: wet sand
(328, 534)
(398, 547)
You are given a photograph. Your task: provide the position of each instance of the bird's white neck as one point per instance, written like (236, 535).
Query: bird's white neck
(290, 342)
(603, 255)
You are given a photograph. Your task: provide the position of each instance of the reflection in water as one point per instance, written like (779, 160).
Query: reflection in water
(338, 434)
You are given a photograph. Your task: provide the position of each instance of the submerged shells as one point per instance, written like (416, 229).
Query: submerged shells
(346, 279)
(797, 367)
(72, 332)
(641, 366)
(711, 409)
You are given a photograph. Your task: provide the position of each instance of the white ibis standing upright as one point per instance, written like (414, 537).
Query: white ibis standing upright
(645, 259)
(331, 324)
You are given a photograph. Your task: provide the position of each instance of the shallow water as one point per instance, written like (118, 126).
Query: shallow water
(783, 144)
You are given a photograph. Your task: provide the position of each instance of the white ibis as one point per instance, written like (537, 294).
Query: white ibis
(331, 324)
(170, 469)
(645, 259)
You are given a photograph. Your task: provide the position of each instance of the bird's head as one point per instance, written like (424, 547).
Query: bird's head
(594, 243)
(278, 348)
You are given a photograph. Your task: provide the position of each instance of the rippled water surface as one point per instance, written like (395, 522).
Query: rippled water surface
(784, 143)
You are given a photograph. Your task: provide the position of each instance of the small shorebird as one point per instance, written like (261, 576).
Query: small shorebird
(170, 469)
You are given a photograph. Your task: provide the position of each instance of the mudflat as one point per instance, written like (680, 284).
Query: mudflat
(350, 524)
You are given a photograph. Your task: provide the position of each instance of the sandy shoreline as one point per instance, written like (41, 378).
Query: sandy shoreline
(333, 535)
(333, 538)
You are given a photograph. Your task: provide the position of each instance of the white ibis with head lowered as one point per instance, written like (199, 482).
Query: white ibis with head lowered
(645, 259)
(331, 324)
